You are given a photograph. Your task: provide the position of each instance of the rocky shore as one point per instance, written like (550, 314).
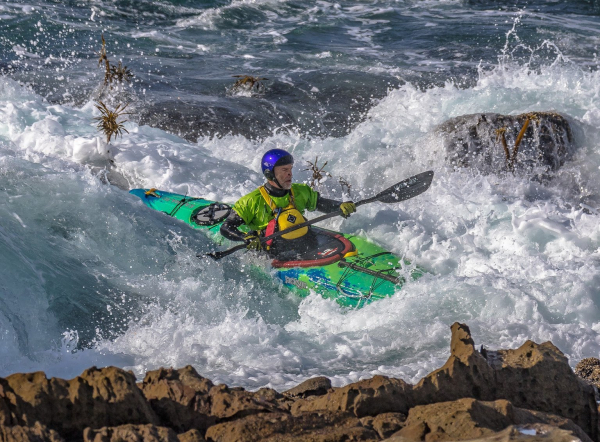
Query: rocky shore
(525, 394)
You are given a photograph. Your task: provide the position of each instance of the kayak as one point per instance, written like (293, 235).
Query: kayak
(347, 268)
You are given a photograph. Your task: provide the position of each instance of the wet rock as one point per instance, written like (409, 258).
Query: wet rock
(365, 398)
(311, 387)
(473, 141)
(471, 419)
(130, 433)
(97, 398)
(180, 398)
(36, 433)
(589, 369)
(466, 373)
(538, 377)
(282, 427)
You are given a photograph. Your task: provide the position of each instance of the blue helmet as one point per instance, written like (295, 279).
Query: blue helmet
(272, 158)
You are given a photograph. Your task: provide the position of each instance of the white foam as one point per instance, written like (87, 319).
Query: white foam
(513, 259)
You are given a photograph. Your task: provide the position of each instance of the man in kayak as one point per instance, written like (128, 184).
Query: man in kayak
(278, 205)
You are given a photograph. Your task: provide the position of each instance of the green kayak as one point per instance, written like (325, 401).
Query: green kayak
(347, 268)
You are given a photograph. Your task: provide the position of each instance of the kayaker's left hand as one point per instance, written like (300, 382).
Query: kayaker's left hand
(347, 208)
(253, 242)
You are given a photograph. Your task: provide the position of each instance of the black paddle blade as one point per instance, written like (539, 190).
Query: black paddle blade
(406, 189)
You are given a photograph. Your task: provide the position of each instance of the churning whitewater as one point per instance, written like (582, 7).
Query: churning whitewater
(90, 276)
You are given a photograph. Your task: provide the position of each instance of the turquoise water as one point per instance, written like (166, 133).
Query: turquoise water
(90, 277)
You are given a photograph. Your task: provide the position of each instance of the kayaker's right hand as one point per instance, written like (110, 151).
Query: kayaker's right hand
(347, 208)
(253, 242)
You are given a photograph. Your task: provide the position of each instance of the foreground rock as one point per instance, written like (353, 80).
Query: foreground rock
(487, 141)
(528, 393)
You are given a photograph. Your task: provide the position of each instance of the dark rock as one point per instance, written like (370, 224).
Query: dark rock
(472, 141)
(312, 387)
(130, 433)
(470, 419)
(180, 398)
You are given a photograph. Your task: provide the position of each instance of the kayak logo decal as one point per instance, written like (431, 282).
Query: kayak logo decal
(295, 282)
(291, 219)
(326, 252)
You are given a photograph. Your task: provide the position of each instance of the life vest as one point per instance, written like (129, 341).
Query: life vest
(285, 217)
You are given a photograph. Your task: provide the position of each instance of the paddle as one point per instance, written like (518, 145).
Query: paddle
(401, 191)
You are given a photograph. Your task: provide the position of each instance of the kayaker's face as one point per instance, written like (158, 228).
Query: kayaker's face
(284, 175)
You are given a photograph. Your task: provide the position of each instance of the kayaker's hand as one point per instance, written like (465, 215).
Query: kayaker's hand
(347, 208)
(253, 242)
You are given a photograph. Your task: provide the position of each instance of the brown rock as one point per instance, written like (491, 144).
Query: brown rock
(130, 433)
(234, 403)
(311, 387)
(589, 369)
(97, 398)
(365, 398)
(281, 427)
(538, 377)
(470, 419)
(522, 433)
(179, 398)
(466, 373)
(36, 433)
(385, 424)
(191, 436)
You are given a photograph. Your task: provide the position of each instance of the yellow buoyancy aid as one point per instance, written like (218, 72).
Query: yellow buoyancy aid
(285, 217)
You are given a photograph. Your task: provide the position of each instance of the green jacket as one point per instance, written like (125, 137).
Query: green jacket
(256, 213)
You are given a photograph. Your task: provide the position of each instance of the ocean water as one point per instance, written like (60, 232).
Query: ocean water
(90, 276)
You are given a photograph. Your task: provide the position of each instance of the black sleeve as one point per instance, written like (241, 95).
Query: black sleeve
(229, 229)
(326, 205)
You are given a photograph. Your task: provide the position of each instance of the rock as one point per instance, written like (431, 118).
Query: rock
(282, 427)
(466, 373)
(191, 436)
(234, 403)
(521, 433)
(311, 387)
(130, 433)
(35, 433)
(538, 377)
(385, 424)
(365, 398)
(471, 419)
(97, 398)
(535, 377)
(179, 398)
(589, 369)
(472, 141)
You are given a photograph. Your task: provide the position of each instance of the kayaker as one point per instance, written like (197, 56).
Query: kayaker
(277, 205)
